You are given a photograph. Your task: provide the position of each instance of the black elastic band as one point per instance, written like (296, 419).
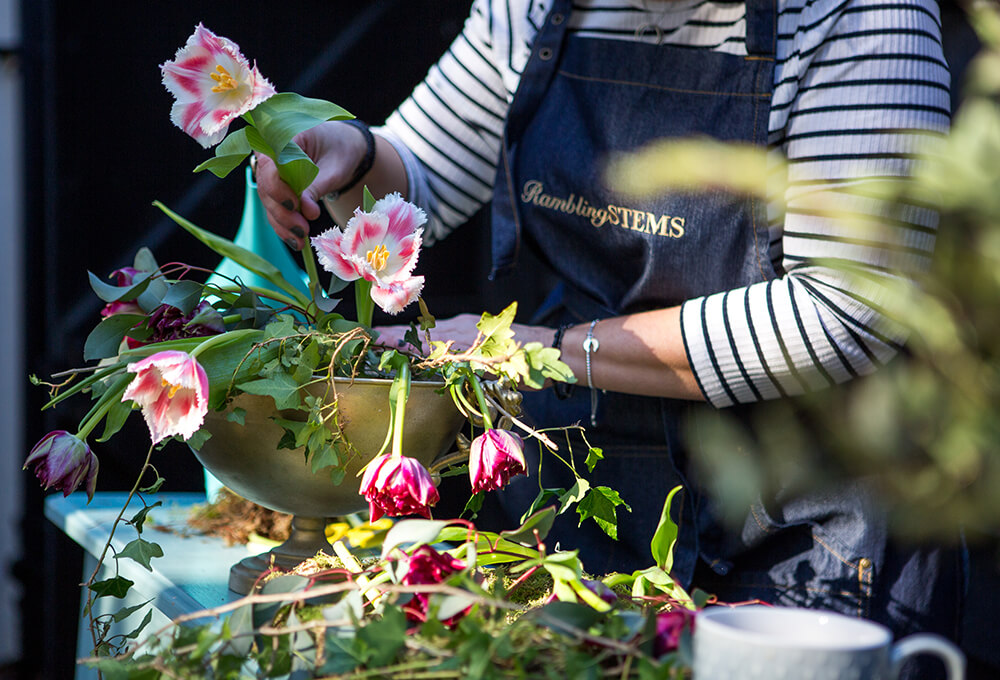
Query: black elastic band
(366, 163)
(562, 390)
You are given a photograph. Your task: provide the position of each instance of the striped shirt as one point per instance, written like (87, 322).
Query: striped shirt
(859, 86)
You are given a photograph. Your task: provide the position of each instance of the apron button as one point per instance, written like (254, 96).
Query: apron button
(557, 19)
(545, 53)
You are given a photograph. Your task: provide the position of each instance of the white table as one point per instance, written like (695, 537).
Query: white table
(192, 575)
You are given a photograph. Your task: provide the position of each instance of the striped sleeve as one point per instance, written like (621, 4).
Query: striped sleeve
(861, 85)
(448, 130)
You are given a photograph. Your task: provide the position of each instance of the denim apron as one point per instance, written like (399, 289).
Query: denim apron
(578, 100)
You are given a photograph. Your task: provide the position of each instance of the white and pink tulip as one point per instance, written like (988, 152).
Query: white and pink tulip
(171, 388)
(213, 84)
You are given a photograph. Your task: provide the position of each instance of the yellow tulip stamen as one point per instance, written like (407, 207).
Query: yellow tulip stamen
(225, 81)
(173, 388)
(378, 258)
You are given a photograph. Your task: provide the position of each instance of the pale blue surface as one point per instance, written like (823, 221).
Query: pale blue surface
(192, 575)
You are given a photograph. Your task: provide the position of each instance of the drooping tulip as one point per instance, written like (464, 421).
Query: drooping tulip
(670, 625)
(64, 461)
(427, 566)
(171, 387)
(397, 486)
(380, 246)
(213, 84)
(494, 457)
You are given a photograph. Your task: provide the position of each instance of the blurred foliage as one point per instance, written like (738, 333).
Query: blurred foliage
(925, 429)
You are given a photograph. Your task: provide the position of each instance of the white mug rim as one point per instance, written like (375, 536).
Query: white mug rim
(718, 622)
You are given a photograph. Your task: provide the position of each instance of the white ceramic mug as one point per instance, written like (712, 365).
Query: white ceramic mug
(756, 642)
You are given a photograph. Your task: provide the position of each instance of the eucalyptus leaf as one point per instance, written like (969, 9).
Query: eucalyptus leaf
(184, 295)
(106, 338)
(111, 293)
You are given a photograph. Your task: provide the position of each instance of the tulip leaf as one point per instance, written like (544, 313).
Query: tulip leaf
(107, 336)
(229, 154)
(141, 551)
(540, 523)
(115, 419)
(662, 545)
(246, 258)
(285, 115)
(295, 168)
(413, 532)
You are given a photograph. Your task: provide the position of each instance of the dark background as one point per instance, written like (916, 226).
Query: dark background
(99, 148)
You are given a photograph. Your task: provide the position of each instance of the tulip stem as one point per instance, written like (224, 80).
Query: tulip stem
(108, 400)
(363, 301)
(483, 406)
(399, 415)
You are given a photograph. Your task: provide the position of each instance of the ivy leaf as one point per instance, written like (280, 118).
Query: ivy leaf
(141, 551)
(600, 503)
(116, 586)
(138, 629)
(155, 486)
(325, 456)
(238, 415)
(575, 494)
(139, 518)
(473, 505)
(593, 456)
(198, 439)
(281, 387)
(126, 612)
(380, 641)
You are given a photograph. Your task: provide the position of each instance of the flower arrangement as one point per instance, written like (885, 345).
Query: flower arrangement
(175, 348)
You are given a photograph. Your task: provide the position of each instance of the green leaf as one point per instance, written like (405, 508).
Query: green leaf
(138, 629)
(246, 258)
(115, 419)
(296, 169)
(116, 586)
(665, 536)
(229, 154)
(381, 641)
(184, 295)
(111, 293)
(126, 612)
(593, 456)
(198, 439)
(367, 200)
(237, 415)
(281, 387)
(474, 504)
(575, 494)
(324, 456)
(412, 531)
(141, 551)
(139, 518)
(155, 486)
(540, 522)
(600, 503)
(107, 336)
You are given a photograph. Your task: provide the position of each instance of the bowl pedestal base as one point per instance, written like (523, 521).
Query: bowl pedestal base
(308, 536)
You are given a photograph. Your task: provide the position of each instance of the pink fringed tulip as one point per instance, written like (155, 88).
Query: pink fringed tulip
(64, 461)
(397, 486)
(495, 457)
(213, 84)
(171, 387)
(380, 246)
(426, 566)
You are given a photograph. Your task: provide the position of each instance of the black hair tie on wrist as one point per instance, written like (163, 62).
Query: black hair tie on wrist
(364, 166)
(562, 390)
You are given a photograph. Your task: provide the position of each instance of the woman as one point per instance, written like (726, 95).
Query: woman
(682, 299)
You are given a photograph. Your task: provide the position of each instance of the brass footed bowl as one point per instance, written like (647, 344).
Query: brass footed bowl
(247, 460)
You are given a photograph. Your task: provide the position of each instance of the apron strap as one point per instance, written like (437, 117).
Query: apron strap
(762, 25)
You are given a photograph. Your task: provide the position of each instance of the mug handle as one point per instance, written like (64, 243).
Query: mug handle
(928, 643)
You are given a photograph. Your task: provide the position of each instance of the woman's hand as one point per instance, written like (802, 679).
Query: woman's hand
(462, 331)
(337, 149)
